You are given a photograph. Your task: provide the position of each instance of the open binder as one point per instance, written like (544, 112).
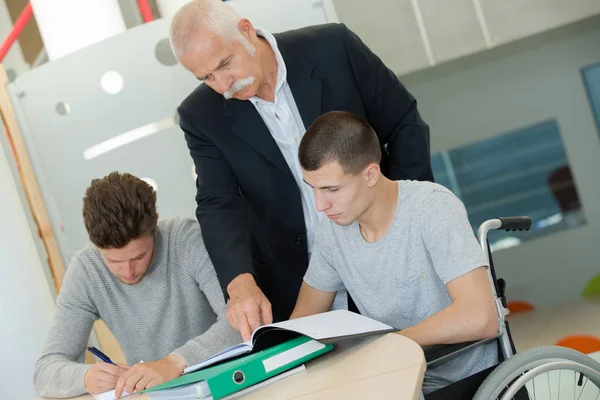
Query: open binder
(327, 327)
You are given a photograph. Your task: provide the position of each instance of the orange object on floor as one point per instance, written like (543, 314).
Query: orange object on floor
(516, 307)
(582, 343)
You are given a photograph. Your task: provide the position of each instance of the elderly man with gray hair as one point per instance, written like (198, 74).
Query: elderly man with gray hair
(243, 127)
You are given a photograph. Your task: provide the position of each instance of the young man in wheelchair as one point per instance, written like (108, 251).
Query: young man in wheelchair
(403, 249)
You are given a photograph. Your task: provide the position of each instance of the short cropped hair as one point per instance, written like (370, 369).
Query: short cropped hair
(339, 136)
(117, 209)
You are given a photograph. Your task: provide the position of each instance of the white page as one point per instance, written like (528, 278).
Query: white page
(230, 352)
(110, 395)
(332, 324)
(198, 390)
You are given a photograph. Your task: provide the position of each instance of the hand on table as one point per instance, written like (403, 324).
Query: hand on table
(145, 375)
(102, 377)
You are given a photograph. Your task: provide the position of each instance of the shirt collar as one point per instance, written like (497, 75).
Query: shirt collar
(281, 69)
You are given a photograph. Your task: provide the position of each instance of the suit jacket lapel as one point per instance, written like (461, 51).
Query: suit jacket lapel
(305, 88)
(250, 127)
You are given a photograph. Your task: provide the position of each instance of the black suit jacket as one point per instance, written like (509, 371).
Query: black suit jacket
(249, 205)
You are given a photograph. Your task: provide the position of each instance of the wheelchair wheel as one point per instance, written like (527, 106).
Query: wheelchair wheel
(547, 372)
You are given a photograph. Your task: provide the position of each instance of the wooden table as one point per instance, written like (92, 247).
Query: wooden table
(388, 366)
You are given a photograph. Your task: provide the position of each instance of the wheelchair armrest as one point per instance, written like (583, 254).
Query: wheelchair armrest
(439, 354)
(439, 351)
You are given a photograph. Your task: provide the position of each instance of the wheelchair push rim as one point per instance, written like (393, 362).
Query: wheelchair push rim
(524, 371)
(558, 365)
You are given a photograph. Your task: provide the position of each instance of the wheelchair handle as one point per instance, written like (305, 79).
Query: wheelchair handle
(504, 223)
(515, 223)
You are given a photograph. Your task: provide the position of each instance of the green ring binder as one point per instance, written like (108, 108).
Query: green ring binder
(238, 374)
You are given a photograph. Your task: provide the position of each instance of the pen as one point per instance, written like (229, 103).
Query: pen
(100, 355)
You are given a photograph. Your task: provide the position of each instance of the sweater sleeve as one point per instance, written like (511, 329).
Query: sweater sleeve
(220, 335)
(59, 372)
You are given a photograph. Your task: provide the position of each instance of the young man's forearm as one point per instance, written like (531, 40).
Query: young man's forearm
(455, 324)
(312, 301)
(304, 308)
(58, 377)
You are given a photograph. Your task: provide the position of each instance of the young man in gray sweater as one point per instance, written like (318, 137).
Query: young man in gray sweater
(404, 250)
(153, 284)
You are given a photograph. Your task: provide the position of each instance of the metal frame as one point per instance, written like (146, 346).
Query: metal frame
(504, 339)
(535, 367)
(502, 336)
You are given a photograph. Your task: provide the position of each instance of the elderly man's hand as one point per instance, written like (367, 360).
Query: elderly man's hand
(247, 306)
(145, 375)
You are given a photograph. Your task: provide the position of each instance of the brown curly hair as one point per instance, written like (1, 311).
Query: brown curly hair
(117, 209)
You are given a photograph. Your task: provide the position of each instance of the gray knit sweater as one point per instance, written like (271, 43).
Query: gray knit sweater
(178, 307)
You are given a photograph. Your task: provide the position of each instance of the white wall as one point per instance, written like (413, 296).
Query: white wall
(26, 299)
(514, 86)
(67, 26)
(273, 15)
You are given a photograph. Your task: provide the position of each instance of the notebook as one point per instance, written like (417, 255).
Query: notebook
(327, 327)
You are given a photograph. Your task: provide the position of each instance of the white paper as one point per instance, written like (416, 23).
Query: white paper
(230, 352)
(110, 395)
(332, 324)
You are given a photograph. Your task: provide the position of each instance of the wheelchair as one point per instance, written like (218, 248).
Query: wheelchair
(547, 372)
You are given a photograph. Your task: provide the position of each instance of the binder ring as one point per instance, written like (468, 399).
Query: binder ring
(239, 377)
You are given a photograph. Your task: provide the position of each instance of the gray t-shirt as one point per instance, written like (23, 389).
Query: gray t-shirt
(400, 279)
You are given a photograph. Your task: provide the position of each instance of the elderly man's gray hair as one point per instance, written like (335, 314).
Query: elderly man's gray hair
(199, 15)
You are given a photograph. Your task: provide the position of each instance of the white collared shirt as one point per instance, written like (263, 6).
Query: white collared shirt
(285, 124)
